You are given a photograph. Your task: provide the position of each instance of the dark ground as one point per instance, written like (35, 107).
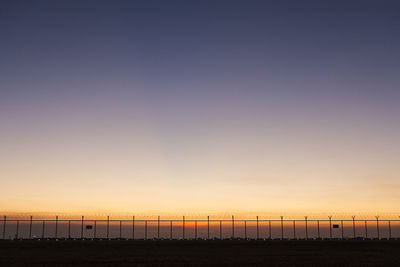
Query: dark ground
(200, 252)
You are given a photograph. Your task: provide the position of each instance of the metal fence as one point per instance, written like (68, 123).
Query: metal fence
(330, 228)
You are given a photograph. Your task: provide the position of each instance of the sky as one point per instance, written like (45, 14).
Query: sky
(200, 107)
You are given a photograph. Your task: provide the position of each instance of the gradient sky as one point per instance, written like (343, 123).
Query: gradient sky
(195, 107)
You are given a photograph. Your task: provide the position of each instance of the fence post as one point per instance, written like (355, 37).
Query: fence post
(133, 227)
(95, 229)
(69, 229)
(170, 229)
(341, 226)
(377, 225)
(208, 227)
(366, 229)
(195, 229)
(158, 227)
(145, 229)
(120, 229)
(56, 227)
(306, 222)
(43, 222)
(319, 234)
(294, 229)
(233, 227)
(220, 230)
(281, 227)
(183, 227)
(390, 230)
(330, 227)
(4, 227)
(108, 226)
(258, 236)
(354, 227)
(82, 228)
(270, 229)
(16, 235)
(245, 230)
(30, 228)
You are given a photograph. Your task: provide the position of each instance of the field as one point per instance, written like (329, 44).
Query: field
(200, 252)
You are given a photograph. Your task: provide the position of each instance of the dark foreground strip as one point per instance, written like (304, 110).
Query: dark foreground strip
(200, 252)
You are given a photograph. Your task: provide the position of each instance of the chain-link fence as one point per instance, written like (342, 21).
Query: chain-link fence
(330, 228)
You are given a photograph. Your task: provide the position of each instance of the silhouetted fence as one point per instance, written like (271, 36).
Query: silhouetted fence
(199, 229)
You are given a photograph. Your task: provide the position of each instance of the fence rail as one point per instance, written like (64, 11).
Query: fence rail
(331, 228)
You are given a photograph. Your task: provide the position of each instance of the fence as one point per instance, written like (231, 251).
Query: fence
(200, 229)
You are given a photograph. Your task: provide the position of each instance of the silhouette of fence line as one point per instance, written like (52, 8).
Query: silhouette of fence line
(306, 228)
